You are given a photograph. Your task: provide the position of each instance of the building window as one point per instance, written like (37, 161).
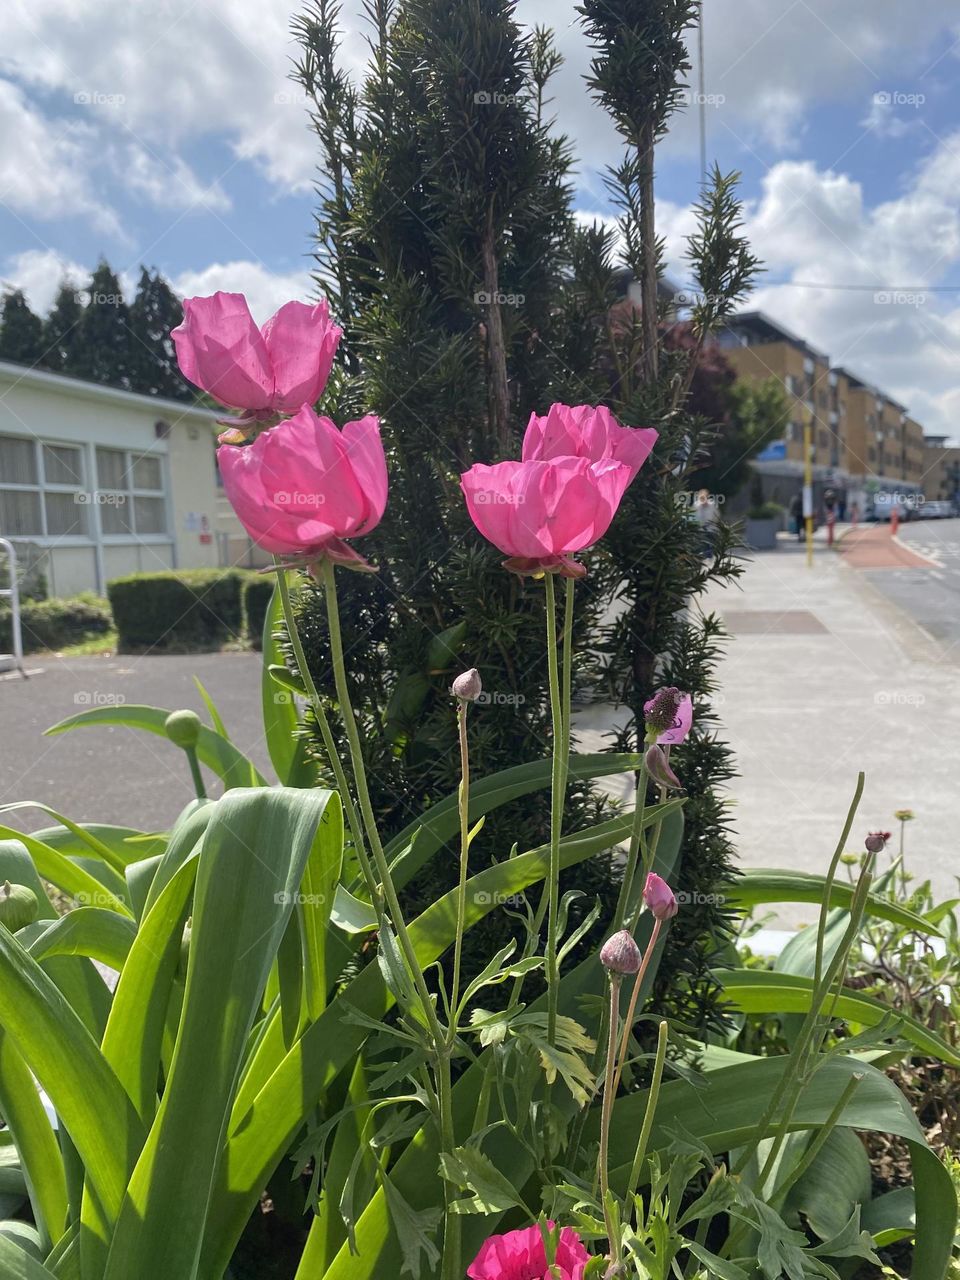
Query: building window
(42, 489)
(130, 494)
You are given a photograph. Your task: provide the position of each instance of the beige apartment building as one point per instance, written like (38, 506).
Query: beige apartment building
(941, 470)
(862, 440)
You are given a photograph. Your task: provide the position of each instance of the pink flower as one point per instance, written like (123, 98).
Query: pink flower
(582, 431)
(303, 485)
(670, 713)
(659, 897)
(540, 513)
(265, 372)
(520, 1255)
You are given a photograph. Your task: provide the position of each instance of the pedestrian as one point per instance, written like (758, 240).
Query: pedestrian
(854, 513)
(796, 514)
(830, 514)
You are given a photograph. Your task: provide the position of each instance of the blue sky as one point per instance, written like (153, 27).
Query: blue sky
(170, 135)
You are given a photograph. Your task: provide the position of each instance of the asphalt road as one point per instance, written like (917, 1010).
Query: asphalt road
(115, 774)
(928, 595)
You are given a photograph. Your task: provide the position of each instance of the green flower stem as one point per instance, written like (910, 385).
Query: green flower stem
(464, 806)
(196, 775)
(633, 853)
(634, 996)
(813, 1150)
(333, 755)
(648, 1115)
(606, 1112)
(450, 1263)
(560, 715)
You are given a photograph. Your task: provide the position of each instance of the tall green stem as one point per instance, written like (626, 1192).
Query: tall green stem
(450, 1265)
(606, 1111)
(633, 853)
(560, 715)
(634, 996)
(195, 774)
(464, 805)
(649, 1113)
(329, 743)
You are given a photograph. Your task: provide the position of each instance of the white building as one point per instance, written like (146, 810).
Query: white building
(104, 482)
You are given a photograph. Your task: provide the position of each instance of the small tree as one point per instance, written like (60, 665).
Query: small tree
(156, 310)
(21, 332)
(104, 351)
(61, 331)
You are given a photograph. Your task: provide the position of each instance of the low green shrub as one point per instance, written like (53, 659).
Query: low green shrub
(56, 623)
(255, 599)
(177, 609)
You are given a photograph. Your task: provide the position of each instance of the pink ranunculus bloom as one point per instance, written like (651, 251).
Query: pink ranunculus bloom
(541, 513)
(659, 897)
(264, 372)
(303, 486)
(520, 1255)
(674, 710)
(582, 431)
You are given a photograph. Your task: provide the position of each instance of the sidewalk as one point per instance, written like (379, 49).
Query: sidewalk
(824, 677)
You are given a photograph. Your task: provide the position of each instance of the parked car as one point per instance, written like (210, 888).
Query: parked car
(936, 510)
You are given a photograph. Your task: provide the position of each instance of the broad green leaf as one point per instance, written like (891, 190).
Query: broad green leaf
(216, 752)
(89, 1099)
(127, 843)
(470, 1170)
(65, 874)
(84, 835)
(761, 991)
(89, 931)
(37, 1145)
(261, 1130)
(757, 885)
(441, 822)
(255, 852)
(17, 1264)
(891, 1217)
(836, 1184)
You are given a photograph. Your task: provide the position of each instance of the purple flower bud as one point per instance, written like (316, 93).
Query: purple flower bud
(668, 715)
(659, 897)
(876, 841)
(467, 687)
(658, 767)
(620, 954)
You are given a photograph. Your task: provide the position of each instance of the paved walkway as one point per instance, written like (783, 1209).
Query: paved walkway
(825, 676)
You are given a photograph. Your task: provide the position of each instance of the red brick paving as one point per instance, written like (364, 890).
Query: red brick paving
(874, 547)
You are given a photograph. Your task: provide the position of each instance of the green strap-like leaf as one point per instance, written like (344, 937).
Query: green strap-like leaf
(255, 853)
(757, 885)
(16, 1264)
(213, 750)
(39, 1152)
(760, 991)
(88, 931)
(286, 745)
(66, 875)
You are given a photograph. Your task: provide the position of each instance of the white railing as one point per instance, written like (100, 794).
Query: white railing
(12, 593)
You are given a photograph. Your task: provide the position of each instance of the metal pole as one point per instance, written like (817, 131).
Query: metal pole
(16, 636)
(703, 100)
(808, 484)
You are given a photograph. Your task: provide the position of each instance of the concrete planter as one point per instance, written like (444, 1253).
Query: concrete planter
(761, 535)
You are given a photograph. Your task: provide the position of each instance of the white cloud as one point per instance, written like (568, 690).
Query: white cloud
(171, 185)
(39, 273)
(812, 227)
(44, 164)
(265, 290)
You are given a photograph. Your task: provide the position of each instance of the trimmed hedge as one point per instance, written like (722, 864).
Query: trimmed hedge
(188, 609)
(57, 623)
(255, 599)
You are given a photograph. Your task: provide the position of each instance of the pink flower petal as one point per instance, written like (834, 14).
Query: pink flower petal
(301, 342)
(221, 350)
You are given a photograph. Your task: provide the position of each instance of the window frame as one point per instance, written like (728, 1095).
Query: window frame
(131, 493)
(42, 487)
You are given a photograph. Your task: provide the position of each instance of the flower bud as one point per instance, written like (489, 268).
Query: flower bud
(467, 687)
(620, 954)
(183, 728)
(659, 897)
(876, 841)
(658, 767)
(18, 906)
